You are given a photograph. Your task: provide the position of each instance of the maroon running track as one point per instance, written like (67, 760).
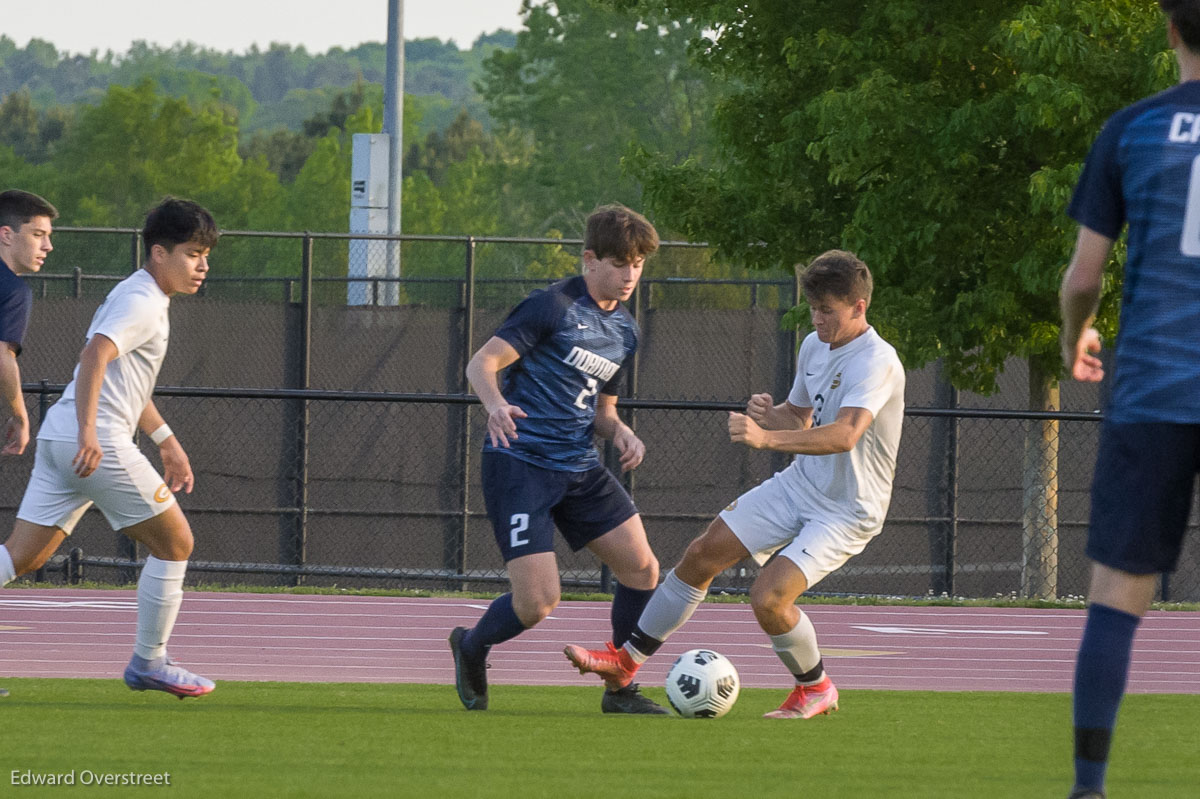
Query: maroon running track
(78, 633)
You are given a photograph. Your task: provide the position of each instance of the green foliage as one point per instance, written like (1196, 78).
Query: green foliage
(583, 82)
(135, 146)
(938, 140)
(279, 87)
(32, 134)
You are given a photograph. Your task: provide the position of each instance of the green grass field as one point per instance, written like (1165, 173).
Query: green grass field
(333, 740)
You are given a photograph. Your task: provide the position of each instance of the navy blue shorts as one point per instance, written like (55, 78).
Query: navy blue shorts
(1142, 495)
(526, 502)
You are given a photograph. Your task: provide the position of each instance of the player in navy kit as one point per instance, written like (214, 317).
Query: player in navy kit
(1144, 171)
(25, 227)
(569, 348)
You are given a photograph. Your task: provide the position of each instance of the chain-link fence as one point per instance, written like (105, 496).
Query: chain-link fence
(337, 444)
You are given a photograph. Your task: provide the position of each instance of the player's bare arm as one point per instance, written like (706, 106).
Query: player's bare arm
(784, 416)
(177, 468)
(1080, 299)
(97, 354)
(483, 372)
(840, 435)
(609, 425)
(16, 429)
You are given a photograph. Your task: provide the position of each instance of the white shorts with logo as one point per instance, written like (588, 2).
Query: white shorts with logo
(125, 487)
(774, 517)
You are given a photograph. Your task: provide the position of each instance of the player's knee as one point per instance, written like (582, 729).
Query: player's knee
(182, 545)
(769, 601)
(531, 608)
(642, 574)
(177, 546)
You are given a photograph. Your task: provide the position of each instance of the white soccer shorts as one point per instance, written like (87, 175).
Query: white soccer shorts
(773, 516)
(125, 487)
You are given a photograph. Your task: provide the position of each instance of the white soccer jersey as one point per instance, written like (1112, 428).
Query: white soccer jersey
(134, 317)
(854, 486)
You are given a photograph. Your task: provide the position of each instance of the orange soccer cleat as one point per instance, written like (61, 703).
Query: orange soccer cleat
(614, 665)
(806, 701)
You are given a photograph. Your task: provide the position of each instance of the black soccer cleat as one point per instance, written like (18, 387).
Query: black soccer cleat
(470, 675)
(630, 700)
(1086, 793)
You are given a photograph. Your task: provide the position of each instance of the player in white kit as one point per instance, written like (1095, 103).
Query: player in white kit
(842, 420)
(86, 453)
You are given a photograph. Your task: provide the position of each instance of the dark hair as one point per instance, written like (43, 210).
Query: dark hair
(1185, 14)
(839, 274)
(18, 207)
(620, 232)
(174, 221)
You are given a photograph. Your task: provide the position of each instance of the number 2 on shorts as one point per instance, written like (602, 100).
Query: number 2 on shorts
(520, 523)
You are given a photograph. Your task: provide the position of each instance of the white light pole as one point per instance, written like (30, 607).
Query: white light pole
(393, 126)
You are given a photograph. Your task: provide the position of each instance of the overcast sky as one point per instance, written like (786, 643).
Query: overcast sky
(80, 26)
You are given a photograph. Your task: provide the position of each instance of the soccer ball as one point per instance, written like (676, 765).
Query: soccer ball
(702, 684)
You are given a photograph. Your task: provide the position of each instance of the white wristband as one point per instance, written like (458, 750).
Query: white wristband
(161, 434)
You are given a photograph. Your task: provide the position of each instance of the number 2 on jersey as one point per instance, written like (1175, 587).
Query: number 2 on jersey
(590, 391)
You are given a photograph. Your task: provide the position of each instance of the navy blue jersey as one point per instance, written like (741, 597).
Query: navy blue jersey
(16, 298)
(571, 350)
(1144, 170)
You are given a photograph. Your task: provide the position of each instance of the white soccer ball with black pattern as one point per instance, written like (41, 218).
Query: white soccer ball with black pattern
(702, 684)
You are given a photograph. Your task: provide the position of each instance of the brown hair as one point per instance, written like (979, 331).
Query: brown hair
(839, 274)
(18, 207)
(620, 232)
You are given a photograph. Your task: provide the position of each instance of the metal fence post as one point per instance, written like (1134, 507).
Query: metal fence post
(941, 503)
(299, 542)
(457, 556)
(951, 548)
(136, 253)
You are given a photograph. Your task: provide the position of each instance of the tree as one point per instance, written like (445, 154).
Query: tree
(583, 82)
(122, 155)
(938, 140)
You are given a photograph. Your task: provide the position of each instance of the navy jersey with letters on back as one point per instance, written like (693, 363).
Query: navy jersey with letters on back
(571, 350)
(16, 299)
(1144, 169)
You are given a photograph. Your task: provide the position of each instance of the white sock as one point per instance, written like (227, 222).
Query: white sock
(797, 648)
(8, 572)
(672, 604)
(159, 595)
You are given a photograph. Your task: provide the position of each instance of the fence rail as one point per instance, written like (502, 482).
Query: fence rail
(459, 571)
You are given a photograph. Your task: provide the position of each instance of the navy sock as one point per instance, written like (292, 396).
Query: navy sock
(1100, 673)
(498, 624)
(627, 606)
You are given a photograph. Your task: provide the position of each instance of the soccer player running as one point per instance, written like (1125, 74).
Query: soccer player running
(86, 453)
(1142, 170)
(25, 227)
(569, 347)
(842, 420)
